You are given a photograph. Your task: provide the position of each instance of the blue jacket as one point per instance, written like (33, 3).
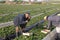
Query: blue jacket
(19, 20)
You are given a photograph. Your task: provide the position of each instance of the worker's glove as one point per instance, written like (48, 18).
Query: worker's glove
(28, 18)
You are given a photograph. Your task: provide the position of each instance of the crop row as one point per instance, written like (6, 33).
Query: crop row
(18, 8)
(11, 16)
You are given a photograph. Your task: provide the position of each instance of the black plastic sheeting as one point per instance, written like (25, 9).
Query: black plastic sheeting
(34, 25)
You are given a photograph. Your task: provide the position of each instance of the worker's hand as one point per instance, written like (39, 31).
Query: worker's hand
(29, 18)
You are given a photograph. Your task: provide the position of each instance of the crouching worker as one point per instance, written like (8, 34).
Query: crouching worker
(55, 21)
(21, 21)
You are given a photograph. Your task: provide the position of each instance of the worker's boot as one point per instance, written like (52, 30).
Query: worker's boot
(58, 36)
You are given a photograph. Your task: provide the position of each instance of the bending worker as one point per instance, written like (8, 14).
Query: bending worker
(55, 21)
(21, 20)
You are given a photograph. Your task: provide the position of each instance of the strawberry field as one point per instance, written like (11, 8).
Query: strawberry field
(10, 11)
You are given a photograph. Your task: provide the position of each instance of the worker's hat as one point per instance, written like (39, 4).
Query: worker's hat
(45, 18)
(58, 14)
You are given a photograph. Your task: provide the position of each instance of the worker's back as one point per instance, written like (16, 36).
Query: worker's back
(55, 20)
(19, 19)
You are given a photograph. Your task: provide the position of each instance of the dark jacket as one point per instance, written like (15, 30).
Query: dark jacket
(20, 20)
(53, 20)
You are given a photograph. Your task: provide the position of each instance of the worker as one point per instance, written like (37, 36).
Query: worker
(21, 20)
(55, 21)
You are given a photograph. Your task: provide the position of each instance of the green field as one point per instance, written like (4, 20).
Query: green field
(13, 10)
